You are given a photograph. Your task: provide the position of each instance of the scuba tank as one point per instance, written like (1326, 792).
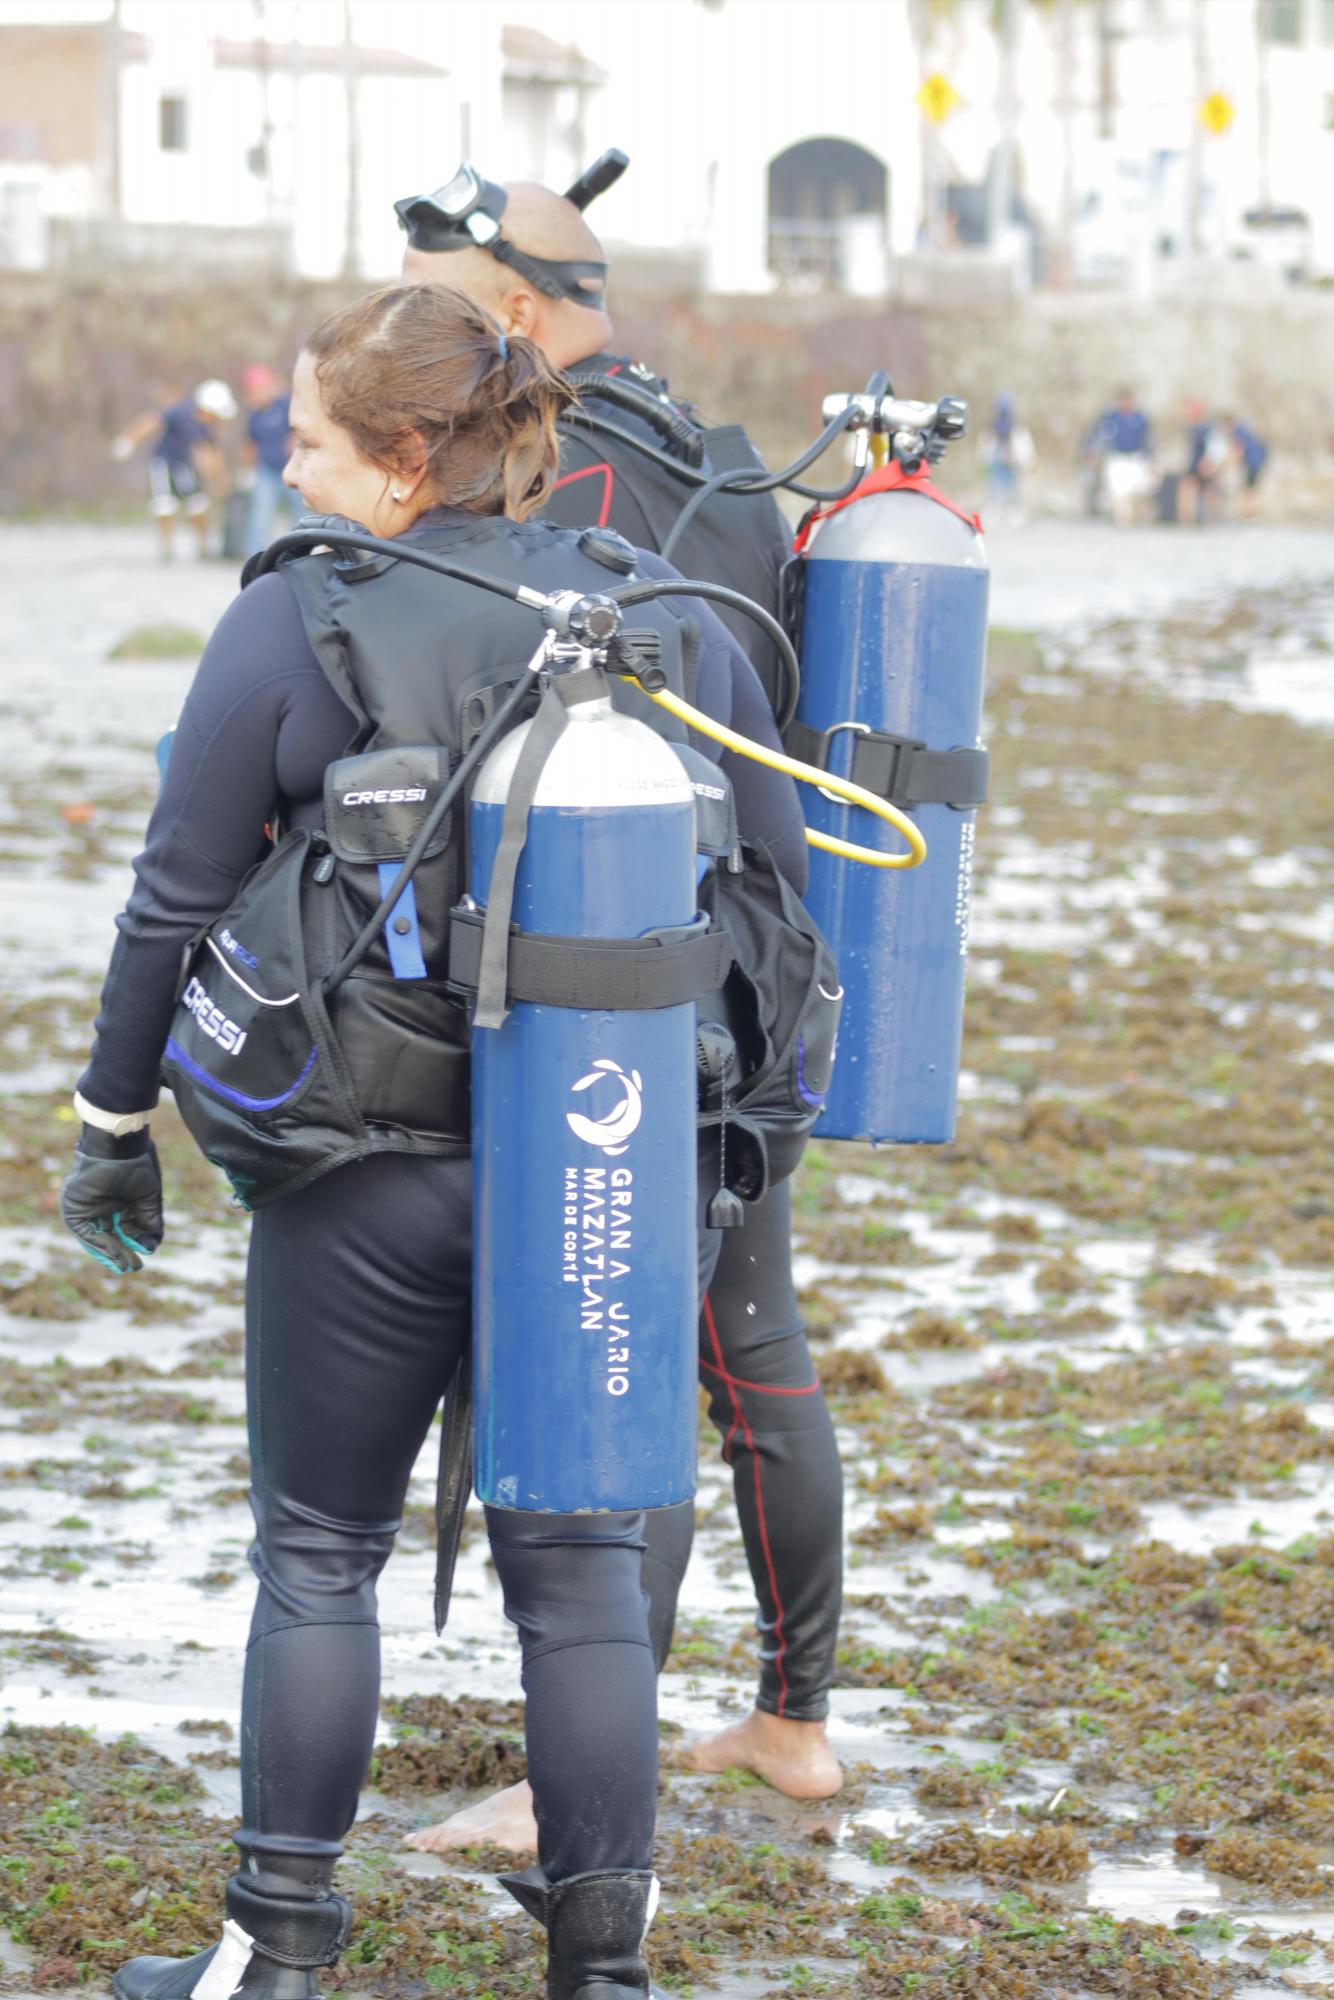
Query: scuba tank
(892, 586)
(584, 1234)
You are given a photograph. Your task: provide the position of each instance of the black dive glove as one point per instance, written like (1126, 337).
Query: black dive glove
(112, 1198)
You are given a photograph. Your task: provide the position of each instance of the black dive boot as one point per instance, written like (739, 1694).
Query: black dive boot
(283, 1924)
(595, 1928)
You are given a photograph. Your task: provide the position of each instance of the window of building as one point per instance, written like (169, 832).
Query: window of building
(1283, 22)
(171, 126)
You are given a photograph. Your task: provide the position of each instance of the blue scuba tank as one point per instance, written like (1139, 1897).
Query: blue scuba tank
(584, 1124)
(893, 647)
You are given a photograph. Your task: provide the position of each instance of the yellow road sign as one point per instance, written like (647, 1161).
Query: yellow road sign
(1217, 111)
(938, 98)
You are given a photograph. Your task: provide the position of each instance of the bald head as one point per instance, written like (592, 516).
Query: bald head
(545, 225)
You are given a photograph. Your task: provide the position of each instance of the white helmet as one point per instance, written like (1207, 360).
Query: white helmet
(216, 398)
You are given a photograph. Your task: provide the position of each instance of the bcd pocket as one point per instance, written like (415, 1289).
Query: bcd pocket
(407, 1046)
(250, 1059)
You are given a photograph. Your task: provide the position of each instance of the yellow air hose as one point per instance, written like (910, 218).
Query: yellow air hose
(807, 774)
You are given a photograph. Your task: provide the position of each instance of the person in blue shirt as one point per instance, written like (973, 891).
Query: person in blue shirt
(1119, 448)
(266, 452)
(1124, 428)
(185, 465)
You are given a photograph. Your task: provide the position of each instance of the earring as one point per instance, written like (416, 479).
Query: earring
(395, 494)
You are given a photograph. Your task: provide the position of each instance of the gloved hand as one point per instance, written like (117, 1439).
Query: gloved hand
(112, 1198)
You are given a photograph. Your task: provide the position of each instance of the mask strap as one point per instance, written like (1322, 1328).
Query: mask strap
(552, 276)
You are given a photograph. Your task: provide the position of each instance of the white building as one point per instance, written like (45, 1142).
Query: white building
(774, 142)
(302, 121)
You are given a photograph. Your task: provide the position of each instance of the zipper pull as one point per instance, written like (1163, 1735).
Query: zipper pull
(324, 868)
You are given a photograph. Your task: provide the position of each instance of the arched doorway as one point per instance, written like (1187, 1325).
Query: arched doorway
(828, 216)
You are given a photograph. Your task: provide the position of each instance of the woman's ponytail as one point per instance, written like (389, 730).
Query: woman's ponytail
(535, 396)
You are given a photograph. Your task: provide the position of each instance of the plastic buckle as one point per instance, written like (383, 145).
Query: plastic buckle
(857, 729)
(903, 749)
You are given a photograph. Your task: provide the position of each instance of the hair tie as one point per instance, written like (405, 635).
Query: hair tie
(504, 347)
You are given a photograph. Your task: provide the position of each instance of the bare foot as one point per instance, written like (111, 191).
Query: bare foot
(503, 1820)
(793, 1757)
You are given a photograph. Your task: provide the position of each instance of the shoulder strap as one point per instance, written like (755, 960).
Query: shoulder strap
(317, 587)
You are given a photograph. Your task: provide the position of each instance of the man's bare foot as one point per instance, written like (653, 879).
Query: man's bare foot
(793, 1757)
(504, 1820)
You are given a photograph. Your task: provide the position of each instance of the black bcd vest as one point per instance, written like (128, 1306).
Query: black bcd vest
(278, 1083)
(738, 540)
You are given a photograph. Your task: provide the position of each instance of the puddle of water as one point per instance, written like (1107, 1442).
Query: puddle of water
(1226, 1522)
(1155, 1887)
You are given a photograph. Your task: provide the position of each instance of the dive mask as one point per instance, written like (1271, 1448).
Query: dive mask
(466, 213)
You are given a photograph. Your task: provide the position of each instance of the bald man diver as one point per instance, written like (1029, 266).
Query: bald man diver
(529, 257)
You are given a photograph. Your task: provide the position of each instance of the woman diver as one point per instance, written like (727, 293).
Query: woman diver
(413, 415)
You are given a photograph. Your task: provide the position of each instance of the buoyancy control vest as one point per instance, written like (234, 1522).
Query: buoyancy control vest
(278, 1084)
(739, 540)
(422, 658)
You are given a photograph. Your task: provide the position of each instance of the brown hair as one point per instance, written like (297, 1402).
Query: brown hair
(419, 369)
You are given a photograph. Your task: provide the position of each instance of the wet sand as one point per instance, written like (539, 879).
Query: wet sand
(1079, 1361)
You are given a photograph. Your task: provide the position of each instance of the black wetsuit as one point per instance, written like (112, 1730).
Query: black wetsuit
(358, 1308)
(764, 1395)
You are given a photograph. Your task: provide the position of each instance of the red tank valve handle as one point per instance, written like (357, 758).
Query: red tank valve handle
(885, 479)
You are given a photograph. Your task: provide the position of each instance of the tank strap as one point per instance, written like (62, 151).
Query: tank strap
(898, 768)
(889, 478)
(664, 968)
(494, 942)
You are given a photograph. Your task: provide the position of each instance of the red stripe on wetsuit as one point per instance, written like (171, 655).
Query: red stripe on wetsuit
(739, 1421)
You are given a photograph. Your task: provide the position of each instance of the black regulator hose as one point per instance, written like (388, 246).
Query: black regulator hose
(306, 539)
(742, 479)
(675, 428)
(583, 419)
(739, 479)
(646, 588)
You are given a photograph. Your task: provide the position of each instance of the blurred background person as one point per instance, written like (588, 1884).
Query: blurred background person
(1201, 489)
(1250, 454)
(1008, 453)
(265, 453)
(185, 466)
(1119, 451)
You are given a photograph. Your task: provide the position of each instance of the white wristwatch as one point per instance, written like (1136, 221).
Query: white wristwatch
(117, 1123)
